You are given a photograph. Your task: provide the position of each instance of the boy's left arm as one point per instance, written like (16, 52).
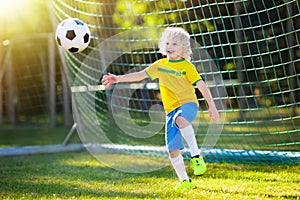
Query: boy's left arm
(213, 112)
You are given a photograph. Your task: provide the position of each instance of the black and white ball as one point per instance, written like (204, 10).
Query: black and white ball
(73, 35)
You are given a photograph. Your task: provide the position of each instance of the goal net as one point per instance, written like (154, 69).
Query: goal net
(246, 50)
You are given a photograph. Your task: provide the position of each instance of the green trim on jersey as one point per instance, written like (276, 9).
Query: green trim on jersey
(197, 81)
(177, 73)
(180, 60)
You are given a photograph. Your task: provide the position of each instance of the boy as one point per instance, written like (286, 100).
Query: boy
(176, 76)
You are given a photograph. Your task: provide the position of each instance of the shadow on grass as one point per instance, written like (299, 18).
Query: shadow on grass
(73, 175)
(18, 189)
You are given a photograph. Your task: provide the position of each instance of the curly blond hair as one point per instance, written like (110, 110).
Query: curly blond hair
(183, 40)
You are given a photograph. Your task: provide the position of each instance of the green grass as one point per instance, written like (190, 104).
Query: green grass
(12, 137)
(80, 176)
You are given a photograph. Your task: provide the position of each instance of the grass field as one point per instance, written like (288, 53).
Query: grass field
(80, 176)
(13, 137)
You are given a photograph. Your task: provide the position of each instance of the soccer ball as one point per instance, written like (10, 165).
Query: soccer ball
(73, 35)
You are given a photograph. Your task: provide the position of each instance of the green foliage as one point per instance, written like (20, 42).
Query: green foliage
(139, 14)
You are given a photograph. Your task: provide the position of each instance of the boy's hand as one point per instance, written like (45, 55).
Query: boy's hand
(109, 79)
(214, 114)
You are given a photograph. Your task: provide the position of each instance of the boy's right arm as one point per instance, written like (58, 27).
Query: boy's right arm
(110, 79)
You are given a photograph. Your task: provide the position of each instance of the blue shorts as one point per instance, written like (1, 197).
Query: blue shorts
(173, 135)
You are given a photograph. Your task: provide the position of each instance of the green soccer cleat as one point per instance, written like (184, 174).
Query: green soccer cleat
(198, 165)
(184, 185)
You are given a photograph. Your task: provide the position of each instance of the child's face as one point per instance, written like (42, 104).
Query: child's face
(173, 49)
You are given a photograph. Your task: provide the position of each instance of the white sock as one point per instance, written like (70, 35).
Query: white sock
(179, 167)
(189, 136)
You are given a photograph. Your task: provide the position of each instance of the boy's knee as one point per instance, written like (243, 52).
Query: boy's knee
(174, 153)
(181, 122)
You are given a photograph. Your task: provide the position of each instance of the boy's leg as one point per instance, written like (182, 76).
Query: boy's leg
(197, 162)
(178, 165)
(175, 144)
(188, 134)
(183, 122)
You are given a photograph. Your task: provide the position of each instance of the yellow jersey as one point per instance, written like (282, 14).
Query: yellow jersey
(176, 80)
